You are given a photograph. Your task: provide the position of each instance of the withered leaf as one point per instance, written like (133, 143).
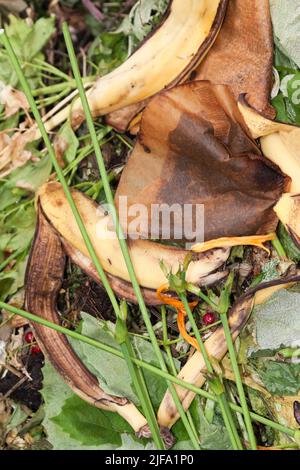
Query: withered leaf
(194, 148)
(13, 152)
(12, 99)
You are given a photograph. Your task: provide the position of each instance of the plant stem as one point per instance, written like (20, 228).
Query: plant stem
(279, 248)
(185, 416)
(142, 392)
(239, 383)
(224, 307)
(196, 291)
(12, 257)
(155, 370)
(221, 399)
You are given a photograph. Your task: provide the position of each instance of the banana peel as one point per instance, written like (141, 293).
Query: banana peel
(145, 254)
(241, 57)
(166, 57)
(194, 148)
(43, 282)
(194, 370)
(280, 144)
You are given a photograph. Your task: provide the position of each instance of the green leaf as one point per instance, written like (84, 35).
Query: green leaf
(89, 425)
(282, 379)
(28, 42)
(16, 231)
(24, 181)
(289, 246)
(286, 27)
(276, 323)
(11, 281)
(55, 393)
(69, 140)
(212, 436)
(111, 371)
(108, 51)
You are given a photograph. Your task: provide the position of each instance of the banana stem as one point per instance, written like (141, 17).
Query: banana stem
(154, 370)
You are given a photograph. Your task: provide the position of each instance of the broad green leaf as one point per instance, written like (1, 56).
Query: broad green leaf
(11, 281)
(28, 42)
(285, 17)
(212, 436)
(282, 379)
(111, 371)
(276, 323)
(32, 175)
(55, 393)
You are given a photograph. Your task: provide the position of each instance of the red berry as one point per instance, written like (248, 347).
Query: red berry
(35, 349)
(209, 318)
(29, 337)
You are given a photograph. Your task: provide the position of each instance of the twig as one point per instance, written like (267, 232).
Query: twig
(14, 388)
(93, 10)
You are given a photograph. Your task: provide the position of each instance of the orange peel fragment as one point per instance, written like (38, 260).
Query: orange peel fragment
(181, 313)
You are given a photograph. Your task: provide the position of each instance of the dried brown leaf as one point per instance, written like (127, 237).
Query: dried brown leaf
(13, 100)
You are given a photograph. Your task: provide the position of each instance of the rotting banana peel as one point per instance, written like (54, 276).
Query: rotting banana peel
(194, 370)
(280, 143)
(288, 211)
(145, 254)
(124, 289)
(255, 240)
(43, 283)
(165, 58)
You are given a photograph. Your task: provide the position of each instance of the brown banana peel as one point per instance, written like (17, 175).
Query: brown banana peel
(242, 55)
(44, 277)
(201, 153)
(194, 370)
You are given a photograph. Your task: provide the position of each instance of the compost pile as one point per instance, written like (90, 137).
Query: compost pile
(116, 333)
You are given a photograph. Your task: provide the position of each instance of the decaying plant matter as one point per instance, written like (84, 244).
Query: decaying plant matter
(280, 143)
(200, 152)
(216, 346)
(145, 254)
(190, 27)
(196, 145)
(43, 283)
(241, 57)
